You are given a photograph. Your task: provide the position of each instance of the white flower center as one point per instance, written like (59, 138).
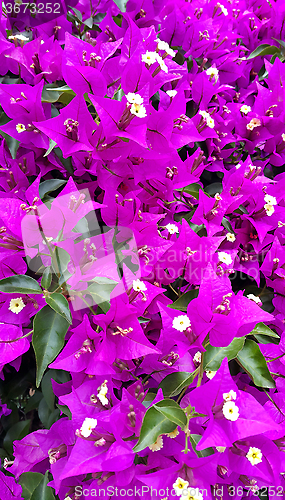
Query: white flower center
(230, 237)
(230, 411)
(225, 258)
(172, 228)
(139, 286)
(157, 445)
(88, 425)
(16, 305)
(180, 323)
(254, 455)
(20, 127)
(245, 109)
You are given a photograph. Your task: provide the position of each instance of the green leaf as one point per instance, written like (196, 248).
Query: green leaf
(48, 338)
(49, 186)
(263, 50)
(59, 304)
(33, 402)
(52, 144)
(170, 409)
(100, 293)
(42, 491)
(253, 362)
(173, 383)
(192, 189)
(183, 301)
(262, 329)
(161, 418)
(121, 4)
(29, 481)
(227, 225)
(20, 284)
(194, 440)
(12, 144)
(47, 389)
(15, 433)
(46, 278)
(214, 356)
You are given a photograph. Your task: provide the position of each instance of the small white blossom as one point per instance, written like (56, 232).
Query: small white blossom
(283, 137)
(138, 110)
(255, 122)
(139, 286)
(231, 237)
(173, 434)
(223, 9)
(245, 109)
(221, 449)
(229, 396)
(102, 391)
(218, 197)
(198, 357)
(164, 46)
(192, 494)
(20, 37)
(88, 425)
(271, 200)
(213, 73)
(254, 455)
(161, 63)
(269, 209)
(180, 323)
(231, 411)
(172, 228)
(180, 486)
(16, 305)
(210, 374)
(255, 299)
(225, 258)
(20, 127)
(158, 445)
(149, 57)
(134, 98)
(172, 93)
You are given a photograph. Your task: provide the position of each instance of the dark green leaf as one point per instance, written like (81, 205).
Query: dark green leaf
(194, 440)
(214, 356)
(227, 225)
(44, 412)
(262, 329)
(65, 410)
(59, 304)
(47, 389)
(42, 491)
(154, 424)
(173, 383)
(48, 338)
(263, 50)
(49, 186)
(52, 145)
(253, 362)
(192, 189)
(12, 144)
(15, 433)
(20, 284)
(171, 410)
(29, 481)
(183, 301)
(100, 293)
(33, 402)
(46, 278)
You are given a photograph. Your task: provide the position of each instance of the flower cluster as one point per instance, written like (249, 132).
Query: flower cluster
(142, 251)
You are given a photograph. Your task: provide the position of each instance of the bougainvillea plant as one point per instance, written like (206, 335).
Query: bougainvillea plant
(142, 249)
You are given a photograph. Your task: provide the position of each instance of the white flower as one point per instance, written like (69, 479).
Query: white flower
(231, 411)
(172, 228)
(198, 357)
(180, 485)
(271, 200)
(283, 137)
(138, 110)
(88, 425)
(173, 434)
(20, 127)
(245, 109)
(229, 396)
(213, 73)
(269, 209)
(255, 122)
(161, 63)
(254, 455)
(192, 494)
(164, 46)
(172, 93)
(134, 98)
(225, 258)
(102, 391)
(157, 445)
(223, 9)
(218, 197)
(149, 57)
(210, 374)
(221, 449)
(180, 323)
(255, 299)
(139, 286)
(16, 305)
(20, 37)
(230, 237)
(210, 123)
